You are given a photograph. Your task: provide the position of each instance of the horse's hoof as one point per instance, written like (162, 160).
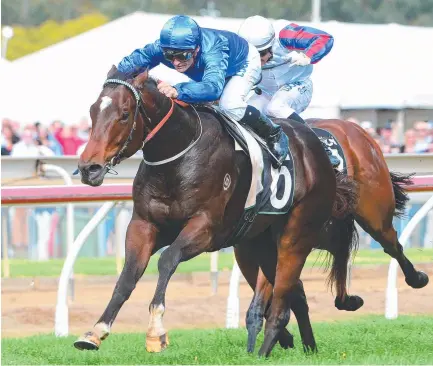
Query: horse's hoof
(286, 339)
(350, 303)
(90, 342)
(417, 281)
(310, 349)
(157, 344)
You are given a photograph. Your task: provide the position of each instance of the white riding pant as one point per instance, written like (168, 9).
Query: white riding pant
(294, 97)
(234, 96)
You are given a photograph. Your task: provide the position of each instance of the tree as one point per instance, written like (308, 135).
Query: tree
(28, 40)
(35, 12)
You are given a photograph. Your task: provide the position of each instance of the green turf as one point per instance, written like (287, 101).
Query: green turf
(107, 266)
(371, 340)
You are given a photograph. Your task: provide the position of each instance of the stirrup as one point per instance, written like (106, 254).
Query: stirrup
(275, 162)
(281, 140)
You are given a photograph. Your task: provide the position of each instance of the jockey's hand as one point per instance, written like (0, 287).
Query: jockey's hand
(298, 58)
(167, 90)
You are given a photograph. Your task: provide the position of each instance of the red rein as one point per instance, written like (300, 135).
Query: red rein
(165, 119)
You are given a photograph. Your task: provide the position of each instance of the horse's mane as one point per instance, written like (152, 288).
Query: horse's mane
(149, 84)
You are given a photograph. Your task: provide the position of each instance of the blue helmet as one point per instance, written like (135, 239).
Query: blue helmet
(180, 32)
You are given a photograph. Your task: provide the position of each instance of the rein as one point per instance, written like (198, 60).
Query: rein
(139, 107)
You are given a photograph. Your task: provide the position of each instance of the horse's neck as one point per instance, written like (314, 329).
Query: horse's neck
(176, 134)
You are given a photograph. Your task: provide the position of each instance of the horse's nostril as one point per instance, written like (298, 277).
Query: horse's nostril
(94, 168)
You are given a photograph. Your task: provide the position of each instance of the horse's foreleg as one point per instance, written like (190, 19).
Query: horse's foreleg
(194, 239)
(139, 245)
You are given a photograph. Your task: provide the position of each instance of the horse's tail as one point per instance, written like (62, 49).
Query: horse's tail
(399, 181)
(346, 196)
(344, 234)
(345, 240)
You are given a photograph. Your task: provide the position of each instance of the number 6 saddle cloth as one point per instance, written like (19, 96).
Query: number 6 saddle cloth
(271, 190)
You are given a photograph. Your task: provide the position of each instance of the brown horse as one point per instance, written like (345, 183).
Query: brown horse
(183, 199)
(381, 196)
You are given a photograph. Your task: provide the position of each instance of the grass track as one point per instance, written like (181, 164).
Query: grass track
(370, 340)
(107, 266)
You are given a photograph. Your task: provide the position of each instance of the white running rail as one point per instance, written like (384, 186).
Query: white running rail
(391, 302)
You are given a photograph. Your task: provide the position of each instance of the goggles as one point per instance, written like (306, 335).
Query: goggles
(171, 55)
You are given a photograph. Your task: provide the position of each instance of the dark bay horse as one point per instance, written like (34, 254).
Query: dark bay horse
(189, 193)
(380, 197)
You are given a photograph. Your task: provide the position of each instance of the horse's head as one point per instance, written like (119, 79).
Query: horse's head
(118, 129)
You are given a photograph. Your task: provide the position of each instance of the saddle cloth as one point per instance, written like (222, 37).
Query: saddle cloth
(329, 139)
(272, 190)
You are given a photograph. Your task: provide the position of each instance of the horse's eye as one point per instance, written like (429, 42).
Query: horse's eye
(125, 116)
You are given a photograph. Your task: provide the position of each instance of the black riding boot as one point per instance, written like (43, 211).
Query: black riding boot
(335, 162)
(272, 133)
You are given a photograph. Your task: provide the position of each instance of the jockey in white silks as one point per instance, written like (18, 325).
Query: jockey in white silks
(288, 52)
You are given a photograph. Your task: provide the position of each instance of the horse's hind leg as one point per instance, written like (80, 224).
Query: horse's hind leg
(290, 263)
(374, 213)
(385, 234)
(139, 245)
(342, 239)
(300, 308)
(300, 234)
(260, 304)
(249, 256)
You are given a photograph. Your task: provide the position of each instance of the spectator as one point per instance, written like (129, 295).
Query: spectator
(27, 146)
(46, 139)
(422, 136)
(84, 129)
(410, 141)
(56, 126)
(67, 137)
(388, 135)
(430, 137)
(8, 138)
(83, 146)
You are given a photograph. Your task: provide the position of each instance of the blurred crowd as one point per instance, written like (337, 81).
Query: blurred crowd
(60, 139)
(392, 138)
(39, 140)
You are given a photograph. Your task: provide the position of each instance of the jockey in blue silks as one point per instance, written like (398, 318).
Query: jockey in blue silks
(222, 66)
(287, 52)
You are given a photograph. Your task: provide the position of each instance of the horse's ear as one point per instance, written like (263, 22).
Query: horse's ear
(141, 78)
(112, 71)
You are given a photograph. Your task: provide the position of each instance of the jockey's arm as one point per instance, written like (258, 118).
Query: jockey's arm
(149, 56)
(211, 86)
(315, 43)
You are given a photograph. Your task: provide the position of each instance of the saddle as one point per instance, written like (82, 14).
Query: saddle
(231, 127)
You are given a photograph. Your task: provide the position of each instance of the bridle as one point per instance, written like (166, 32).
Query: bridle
(139, 108)
(138, 105)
